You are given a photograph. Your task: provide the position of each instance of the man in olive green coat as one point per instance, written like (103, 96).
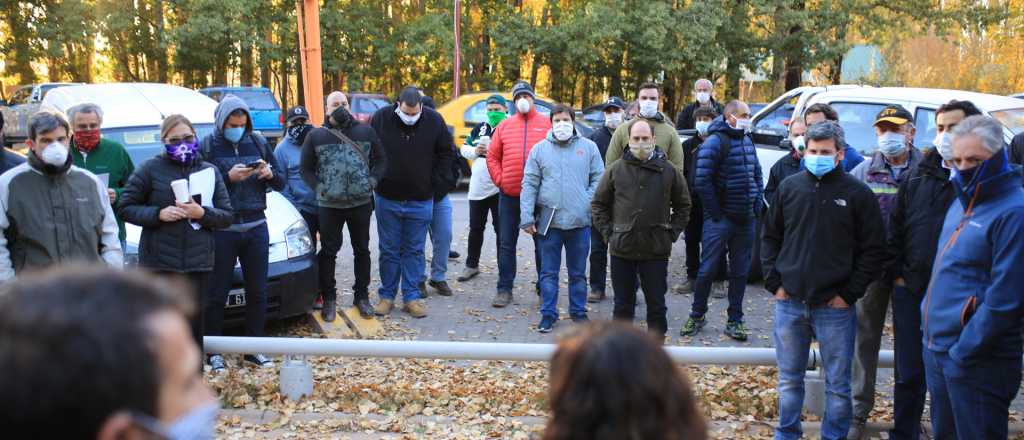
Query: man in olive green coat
(649, 99)
(641, 205)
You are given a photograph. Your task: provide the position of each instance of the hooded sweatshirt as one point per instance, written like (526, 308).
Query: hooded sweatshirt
(248, 197)
(563, 176)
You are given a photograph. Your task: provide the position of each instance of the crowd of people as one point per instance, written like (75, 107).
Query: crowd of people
(932, 229)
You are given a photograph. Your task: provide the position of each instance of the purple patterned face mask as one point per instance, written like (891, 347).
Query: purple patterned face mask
(183, 152)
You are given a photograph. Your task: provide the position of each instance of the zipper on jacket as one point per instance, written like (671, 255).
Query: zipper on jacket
(526, 126)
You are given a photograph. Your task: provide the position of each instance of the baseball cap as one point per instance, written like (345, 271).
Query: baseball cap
(297, 112)
(614, 101)
(894, 114)
(497, 99)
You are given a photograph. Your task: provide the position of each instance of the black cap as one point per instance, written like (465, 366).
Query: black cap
(296, 112)
(614, 101)
(410, 96)
(894, 114)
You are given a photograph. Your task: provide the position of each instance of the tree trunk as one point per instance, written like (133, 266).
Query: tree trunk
(545, 13)
(163, 70)
(248, 70)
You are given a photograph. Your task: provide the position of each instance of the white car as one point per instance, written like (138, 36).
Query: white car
(132, 114)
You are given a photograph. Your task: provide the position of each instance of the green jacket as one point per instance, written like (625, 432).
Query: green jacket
(665, 136)
(109, 158)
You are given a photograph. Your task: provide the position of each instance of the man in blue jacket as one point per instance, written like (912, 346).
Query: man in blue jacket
(248, 167)
(729, 184)
(971, 313)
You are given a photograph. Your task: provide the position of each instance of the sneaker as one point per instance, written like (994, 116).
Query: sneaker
(384, 307)
(217, 364)
(595, 296)
(441, 287)
(259, 360)
(581, 319)
(536, 286)
(547, 324)
(468, 273)
(364, 307)
(415, 308)
(857, 429)
(692, 326)
(329, 311)
(685, 288)
(736, 330)
(502, 299)
(452, 255)
(423, 289)
(319, 303)
(719, 290)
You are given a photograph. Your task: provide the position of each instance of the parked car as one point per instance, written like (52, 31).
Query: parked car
(364, 105)
(1018, 95)
(267, 117)
(132, 114)
(23, 103)
(468, 110)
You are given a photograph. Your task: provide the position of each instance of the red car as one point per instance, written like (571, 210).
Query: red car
(364, 105)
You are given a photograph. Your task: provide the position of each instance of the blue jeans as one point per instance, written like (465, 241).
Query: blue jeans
(440, 239)
(508, 239)
(402, 233)
(577, 244)
(251, 249)
(973, 401)
(835, 330)
(721, 237)
(910, 387)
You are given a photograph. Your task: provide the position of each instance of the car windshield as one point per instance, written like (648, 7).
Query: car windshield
(143, 143)
(858, 122)
(256, 99)
(1011, 118)
(368, 105)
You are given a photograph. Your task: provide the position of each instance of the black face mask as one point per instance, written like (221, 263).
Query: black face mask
(297, 133)
(341, 117)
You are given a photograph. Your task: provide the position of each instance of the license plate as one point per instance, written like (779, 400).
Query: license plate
(235, 299)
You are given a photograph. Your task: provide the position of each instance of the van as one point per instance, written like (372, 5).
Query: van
(267, 117)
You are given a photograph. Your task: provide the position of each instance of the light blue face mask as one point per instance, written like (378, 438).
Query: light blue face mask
(198, 424)
(234, 134)
(892, 144)
(702, 127)
(819, 165)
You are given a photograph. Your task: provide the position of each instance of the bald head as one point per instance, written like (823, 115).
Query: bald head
(737, 114)
(641, 132)
(336, 99)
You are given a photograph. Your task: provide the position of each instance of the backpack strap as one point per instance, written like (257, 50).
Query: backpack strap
(355, 145)
(262, 145)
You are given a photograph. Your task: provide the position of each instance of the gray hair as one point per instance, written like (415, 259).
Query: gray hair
(827, 130)
(45, 122)
(88, 108)
(703, 81)
(986, 129)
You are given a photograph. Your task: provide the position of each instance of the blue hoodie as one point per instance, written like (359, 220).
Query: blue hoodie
(728, 182)
(248, 197)
(980, 264)
(561, 175)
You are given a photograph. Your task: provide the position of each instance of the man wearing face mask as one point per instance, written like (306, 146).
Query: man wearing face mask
(289, 154)
(729, 182)
(882, 172)
(789, 164)
(642, 182)
(613, 111)
(823, 112)
(823, 243)
(420, 153)
(483, 194)
(114, 361)
(506, 159)
(334, 100)
(921, 205)
(54, 212)
(703, 92)
(649, 99)
(559, 181)
(101, 156)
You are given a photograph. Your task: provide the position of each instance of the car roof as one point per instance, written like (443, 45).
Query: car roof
(135, 104)
(228, 88)
(921, 96)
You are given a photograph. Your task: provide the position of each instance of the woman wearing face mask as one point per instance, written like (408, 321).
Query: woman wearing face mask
(177, 238)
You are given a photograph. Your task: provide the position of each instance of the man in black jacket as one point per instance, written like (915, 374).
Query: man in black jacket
(824, 242)
(420, 150)
(695, 227)
(614, 114)
(789, 164)
(342, 162)
(703, 91)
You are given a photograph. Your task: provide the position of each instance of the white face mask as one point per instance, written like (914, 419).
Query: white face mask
(562, 130)
(703, 97)
(523, 105)
(55, 154)
(613, 120)
(648, 108)
(408, 120)
(799, 143)
(944, 145)
(742, 124)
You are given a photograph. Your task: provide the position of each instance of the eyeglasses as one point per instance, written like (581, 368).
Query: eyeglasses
(181, 140)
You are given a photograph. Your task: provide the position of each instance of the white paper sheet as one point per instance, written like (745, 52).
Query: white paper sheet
(203, 183)
(105, 178)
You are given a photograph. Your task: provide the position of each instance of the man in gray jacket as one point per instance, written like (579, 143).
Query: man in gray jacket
(53, 212)
(561, 176)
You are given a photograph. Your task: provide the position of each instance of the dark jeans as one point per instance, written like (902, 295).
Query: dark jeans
(198, 282)
(331, 222)
(910, 387)
(575, 243)
(692, 236)
(250, 248)
(598, 261)
(720, 238)
(508, 238)
(973, 401)
(478, 210)
(653, 276)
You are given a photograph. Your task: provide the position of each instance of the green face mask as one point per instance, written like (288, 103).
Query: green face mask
(495, 118)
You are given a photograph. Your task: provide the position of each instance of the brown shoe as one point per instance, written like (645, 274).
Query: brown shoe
(384, 307)
(502, 299)
(415, 308)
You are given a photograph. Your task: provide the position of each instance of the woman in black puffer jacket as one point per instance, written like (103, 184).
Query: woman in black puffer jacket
(177, 238)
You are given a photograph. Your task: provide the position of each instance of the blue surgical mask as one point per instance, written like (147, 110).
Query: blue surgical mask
(234, 134)
(702, 127)
(892, 144)
(819, 165)
(198, 424)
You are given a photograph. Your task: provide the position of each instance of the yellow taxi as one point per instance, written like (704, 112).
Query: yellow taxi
(466, 111)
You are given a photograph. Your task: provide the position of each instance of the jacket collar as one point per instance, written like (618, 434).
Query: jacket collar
(880, 165)
(654, 163)
(829, 177)
(45, 169)
(996, 177)
(931, 166)
(719, 125)
(550, 137)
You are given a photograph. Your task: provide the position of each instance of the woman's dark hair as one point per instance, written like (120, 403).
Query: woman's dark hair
(615, 382)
